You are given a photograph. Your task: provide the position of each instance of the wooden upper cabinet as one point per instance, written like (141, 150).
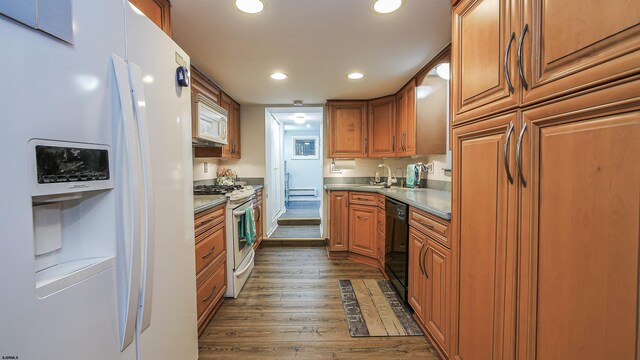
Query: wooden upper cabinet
(158, 11)
(347, 129)
(201, 84)
(483, 245)
(338, 221)
(235, 121)
(417, 276)
(362, 229)
(573, 44)
(382, 127)
(483, 41)
(580, 227)
(406, 122)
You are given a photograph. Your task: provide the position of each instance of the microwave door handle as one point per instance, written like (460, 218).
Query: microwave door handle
(146, 289)
(128, 184)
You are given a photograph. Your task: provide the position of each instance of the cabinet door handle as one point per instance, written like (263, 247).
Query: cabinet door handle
(393, 143)
(362, 217)
(506, 63)
(519, 155)
(419, 259)
(206, 298)
(209, 253)
(366, 142)
(404, 136)
(520, 69)
(506, 153)
(428, 226)
(203, 222)
(424, 264)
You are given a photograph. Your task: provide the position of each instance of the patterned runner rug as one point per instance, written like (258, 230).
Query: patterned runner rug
(373, 308)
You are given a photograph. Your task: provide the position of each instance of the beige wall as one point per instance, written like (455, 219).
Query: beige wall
(198, 168)
(252, 163)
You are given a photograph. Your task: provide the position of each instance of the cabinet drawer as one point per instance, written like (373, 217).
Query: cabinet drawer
(427, 224)
(363, 198)
(208, 219)
(211, 289)
(210, 247)
(381, 200)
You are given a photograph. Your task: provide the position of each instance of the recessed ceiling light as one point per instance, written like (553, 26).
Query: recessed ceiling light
(386, 6)
(443, 70)
(308, 125)
(299, 118)
(355, 76)
(250, 6)
(279, 76)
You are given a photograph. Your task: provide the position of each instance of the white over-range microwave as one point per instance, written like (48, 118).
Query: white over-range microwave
(209, 125)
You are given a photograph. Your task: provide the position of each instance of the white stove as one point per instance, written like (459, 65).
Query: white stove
(240, 255)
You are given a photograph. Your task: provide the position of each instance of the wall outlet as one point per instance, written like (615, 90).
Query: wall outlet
(429, 168)
(206, 167)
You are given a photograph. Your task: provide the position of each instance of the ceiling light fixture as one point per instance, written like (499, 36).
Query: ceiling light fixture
(308, 125)
(298, 102)
(250, 6)
(279, 76)
(386, 6)
(443, 71)
(355, 76)
(299, 118)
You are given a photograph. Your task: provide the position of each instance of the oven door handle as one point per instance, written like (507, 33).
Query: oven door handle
(240, 212)
(239, 273)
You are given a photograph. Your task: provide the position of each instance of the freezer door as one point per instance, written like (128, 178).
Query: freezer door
(169, 285)
(53, 90)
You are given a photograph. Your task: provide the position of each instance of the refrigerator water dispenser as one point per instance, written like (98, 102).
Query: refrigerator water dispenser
(72, 203)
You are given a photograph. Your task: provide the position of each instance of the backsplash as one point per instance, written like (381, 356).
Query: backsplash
(199, 168)
(431, 184)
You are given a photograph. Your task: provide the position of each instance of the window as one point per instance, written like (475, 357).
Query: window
(305, 147)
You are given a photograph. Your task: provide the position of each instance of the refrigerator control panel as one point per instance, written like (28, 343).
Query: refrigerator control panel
(63, 167)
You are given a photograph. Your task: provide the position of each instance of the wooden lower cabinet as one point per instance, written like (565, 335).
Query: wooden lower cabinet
(258, 211)
(437, 263)
(579, 227)
(380, 236)
(362, 229)
(210, 253)
(483, 240)
(338, 221)
(429, 286)
(417, 278)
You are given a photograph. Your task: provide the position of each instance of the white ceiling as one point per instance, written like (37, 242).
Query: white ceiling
(286, 115)
(316, 42)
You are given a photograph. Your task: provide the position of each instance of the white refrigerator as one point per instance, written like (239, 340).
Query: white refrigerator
(96, 205)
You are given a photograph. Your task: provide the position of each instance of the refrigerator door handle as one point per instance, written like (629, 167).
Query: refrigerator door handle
(146, 287)
(129, 214)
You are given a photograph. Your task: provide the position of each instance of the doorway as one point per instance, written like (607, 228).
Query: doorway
(295, 172)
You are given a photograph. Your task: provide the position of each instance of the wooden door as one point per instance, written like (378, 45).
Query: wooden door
(417, 278)
(437, 262)
(338, 221)
(574, 44)
(235, 114)
(225, 103)
(482, 244)
(382, 127)
(406, 123)
(483, 31)
(362, 229)
(158, 11)
(347, 129)
(580, 227)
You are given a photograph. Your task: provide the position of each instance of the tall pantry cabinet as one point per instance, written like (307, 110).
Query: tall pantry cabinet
(546, 181)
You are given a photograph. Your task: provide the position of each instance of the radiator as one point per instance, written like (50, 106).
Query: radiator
(303, 192)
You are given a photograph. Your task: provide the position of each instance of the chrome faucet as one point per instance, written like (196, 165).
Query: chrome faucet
(391, 178)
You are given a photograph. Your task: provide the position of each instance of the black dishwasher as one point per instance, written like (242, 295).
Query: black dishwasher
(396, 255)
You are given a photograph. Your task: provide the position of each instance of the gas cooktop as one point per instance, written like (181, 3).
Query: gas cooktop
(215, 189)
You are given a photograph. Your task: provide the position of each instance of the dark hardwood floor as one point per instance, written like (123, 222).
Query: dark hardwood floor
(290, 309)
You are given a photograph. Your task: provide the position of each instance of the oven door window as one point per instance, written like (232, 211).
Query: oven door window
(241, 230)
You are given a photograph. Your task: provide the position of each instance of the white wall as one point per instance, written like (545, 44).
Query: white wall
(305, 173)
(252, 142)
(198, 168)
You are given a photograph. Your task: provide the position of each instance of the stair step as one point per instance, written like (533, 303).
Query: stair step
(299, 221)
